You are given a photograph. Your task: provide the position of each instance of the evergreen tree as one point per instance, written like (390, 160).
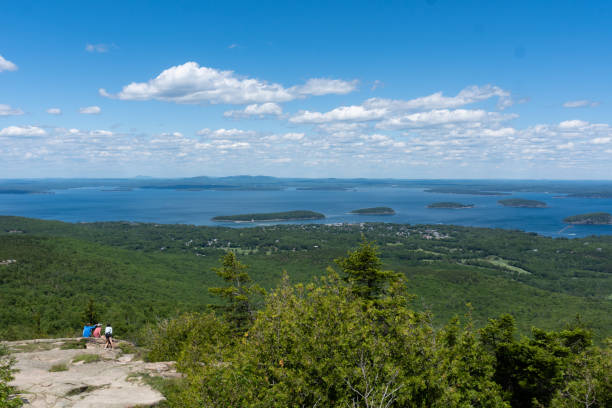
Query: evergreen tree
(363, 272)
(91, 314)
(238, 309)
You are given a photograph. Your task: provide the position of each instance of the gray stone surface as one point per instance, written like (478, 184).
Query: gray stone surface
(114, 381)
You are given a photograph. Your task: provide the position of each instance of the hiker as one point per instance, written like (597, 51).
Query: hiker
(97, 330)
(87, 330)
(108, 333)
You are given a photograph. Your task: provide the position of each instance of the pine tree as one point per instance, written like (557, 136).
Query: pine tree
(238, 294)
(363, 272)
(90, 314)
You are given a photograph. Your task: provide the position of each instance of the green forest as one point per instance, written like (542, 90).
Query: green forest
(365, 315)
(138, 273)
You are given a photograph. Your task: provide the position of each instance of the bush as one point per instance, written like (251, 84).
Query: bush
(7, 399)
(58, 367)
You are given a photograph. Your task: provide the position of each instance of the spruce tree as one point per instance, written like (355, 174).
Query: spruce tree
(238, 293)
(363, 272)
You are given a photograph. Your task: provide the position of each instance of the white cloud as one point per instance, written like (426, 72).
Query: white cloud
(580, 104)
(466, 96)
(281, 160)
(503, 132)
(190, 83)
(572, 124)
(226, 133)
(342, 113)
(22, 131)
(293, 136)
(90, 110)
(100, 48)
(6, 110)
(439, 117)
(6, 65)
(325, 86)
(101, 133)
(601, 140)
(566, 146)
(260, 110)
(378, 108)
(54, 111)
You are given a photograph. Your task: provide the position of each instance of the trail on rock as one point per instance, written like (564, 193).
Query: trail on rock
(80, 373)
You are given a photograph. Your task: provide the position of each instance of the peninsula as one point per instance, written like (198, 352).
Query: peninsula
(522, 203)
(267, 217)
(374, 211)
(450, 204)
(598, 218)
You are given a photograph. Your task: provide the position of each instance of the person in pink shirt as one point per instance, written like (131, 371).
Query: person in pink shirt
(97, 330)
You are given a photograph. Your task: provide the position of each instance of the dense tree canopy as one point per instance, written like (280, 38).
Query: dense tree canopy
(326, 344)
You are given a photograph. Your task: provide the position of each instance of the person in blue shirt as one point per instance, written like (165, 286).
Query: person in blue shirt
(88, 329)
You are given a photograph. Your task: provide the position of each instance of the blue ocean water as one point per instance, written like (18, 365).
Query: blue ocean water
(198, 207)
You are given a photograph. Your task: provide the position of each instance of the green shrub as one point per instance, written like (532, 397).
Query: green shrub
(58, 367)
(86, 358)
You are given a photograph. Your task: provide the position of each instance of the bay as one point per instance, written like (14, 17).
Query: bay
(198, 207)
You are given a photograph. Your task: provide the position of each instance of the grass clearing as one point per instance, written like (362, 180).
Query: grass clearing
(505, 264)
(58, 367)
(86, 358)
(33, 347)
(73, 345)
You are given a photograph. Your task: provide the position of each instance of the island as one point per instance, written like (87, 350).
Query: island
(449, 204)
(522, 203)
(298, 215)
(458, 190)
(598, 218)
(374, 211)
(607, 194)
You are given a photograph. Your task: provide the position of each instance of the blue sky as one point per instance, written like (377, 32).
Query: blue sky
(421, 89)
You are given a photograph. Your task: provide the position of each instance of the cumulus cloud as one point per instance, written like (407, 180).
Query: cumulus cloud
(22, 131)
(6, 65)
(392, 110)
(342, 113)
(226, 133)
(54, 111)
(325, 86)
(580, 104)
(191, 83)
(439, 117)
(572, 124)
(90, 110)
(6, 110)
(259, 110)
(466, 96)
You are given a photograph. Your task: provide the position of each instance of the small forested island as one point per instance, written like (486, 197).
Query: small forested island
(374, 211)
(598, 218)
(277, 216)
(458, 190)
(323, 188)
(606, 194)
(449, 204)
(522, 203)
